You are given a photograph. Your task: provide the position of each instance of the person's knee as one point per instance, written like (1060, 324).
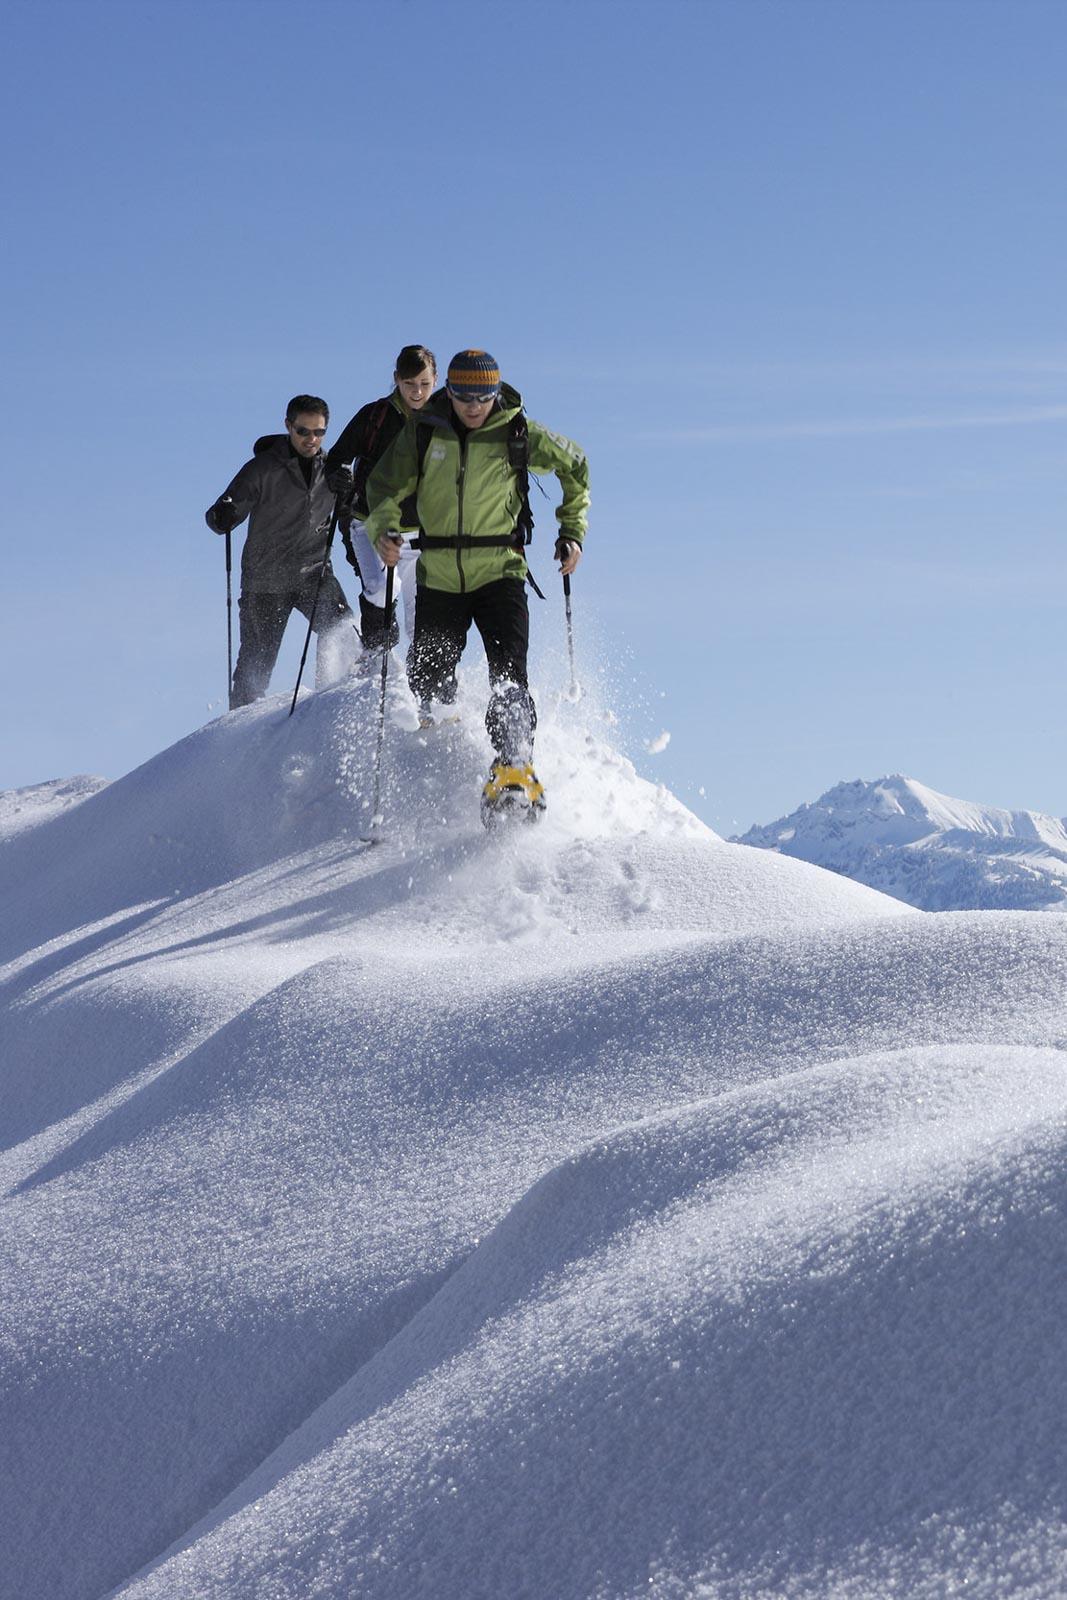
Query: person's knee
(375, 626)
(432, 662)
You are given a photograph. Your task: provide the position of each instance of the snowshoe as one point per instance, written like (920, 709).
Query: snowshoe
(512, 794)
(431, 716)
(368, 664)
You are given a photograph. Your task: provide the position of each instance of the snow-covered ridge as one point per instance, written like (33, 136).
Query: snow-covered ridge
(928, 849)
(40, 802)
(574, 1213)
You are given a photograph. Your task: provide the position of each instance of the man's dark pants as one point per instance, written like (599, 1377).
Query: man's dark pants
(263, 620)
(501, 615)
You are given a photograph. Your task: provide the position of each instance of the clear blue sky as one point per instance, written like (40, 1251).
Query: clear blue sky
(790, 270)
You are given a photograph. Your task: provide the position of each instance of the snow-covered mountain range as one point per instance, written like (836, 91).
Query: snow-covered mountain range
(934, 852)
(596, 1211)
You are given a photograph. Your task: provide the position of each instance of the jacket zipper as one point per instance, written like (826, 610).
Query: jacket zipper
(309, 488)
(460, 482)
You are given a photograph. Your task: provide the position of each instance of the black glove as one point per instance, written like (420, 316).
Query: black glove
(222, 517)
(339, 480)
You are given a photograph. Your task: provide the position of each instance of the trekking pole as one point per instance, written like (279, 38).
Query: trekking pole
(570, 632)
(229, 619)
(315, 602)
(375, 821)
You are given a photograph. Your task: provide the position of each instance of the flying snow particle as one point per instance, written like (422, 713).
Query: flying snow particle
(659, 744)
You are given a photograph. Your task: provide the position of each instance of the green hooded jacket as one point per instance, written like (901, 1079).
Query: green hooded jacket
(467, 486)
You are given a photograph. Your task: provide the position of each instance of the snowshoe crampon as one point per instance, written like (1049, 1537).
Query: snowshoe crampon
(512, 794)
(427, 719)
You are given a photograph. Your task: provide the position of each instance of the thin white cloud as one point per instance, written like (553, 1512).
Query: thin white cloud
(991, 375)
(911, 368)
(842, 427)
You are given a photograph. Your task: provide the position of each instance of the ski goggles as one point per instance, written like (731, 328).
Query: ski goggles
(306, 433)
(464, 398)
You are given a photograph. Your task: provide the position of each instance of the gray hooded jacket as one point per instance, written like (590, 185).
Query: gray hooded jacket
(288, 519)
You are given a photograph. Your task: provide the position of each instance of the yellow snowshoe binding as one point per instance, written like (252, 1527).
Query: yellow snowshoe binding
(512, 794)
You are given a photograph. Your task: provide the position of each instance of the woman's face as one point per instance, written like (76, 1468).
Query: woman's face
(417, 390)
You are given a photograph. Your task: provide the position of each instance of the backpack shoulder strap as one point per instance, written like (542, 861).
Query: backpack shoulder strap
(519, 459)
(374, 426)
(373, 448)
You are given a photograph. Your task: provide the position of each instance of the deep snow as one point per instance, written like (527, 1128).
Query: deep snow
(601, 1210)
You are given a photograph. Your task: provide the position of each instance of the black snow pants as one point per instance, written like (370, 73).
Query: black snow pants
(263, 620)
(500, 613)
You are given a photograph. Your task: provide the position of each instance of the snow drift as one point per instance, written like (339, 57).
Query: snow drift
(603, 1209)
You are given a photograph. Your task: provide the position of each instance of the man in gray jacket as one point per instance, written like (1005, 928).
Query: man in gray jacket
(284, 493)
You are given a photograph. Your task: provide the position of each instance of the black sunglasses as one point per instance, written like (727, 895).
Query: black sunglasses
(305, 433)
(473, 399)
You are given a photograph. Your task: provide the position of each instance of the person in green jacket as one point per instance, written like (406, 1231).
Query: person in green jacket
(461, 458)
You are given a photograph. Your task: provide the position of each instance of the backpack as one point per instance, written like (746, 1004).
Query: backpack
(355, 501)
(368, 458)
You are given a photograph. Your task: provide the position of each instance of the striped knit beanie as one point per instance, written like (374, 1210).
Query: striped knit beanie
(473, 372)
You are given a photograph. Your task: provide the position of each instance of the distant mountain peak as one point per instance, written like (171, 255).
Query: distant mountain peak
(929, 849)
